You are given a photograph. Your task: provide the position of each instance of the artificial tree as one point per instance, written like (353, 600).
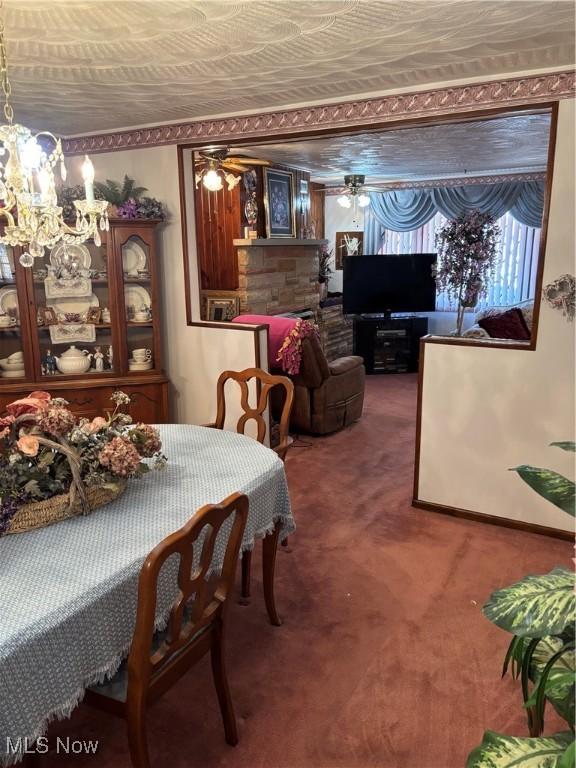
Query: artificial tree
(467, 250)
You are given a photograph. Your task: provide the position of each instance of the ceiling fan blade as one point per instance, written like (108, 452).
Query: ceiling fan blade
(328, 188)
(233, 167)
(247, 160)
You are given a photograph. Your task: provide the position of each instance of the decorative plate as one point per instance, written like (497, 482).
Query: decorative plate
(133, 258)
(9, 302)
(65, 252)
(74, 305)
(135, 297)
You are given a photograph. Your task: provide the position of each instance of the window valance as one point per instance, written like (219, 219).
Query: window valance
(403, 210)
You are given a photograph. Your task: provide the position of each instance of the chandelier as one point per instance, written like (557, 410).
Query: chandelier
(29, 210)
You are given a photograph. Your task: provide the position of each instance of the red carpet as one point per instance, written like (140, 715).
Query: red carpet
(384, 660)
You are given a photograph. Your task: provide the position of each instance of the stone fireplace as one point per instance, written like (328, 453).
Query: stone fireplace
(278, 275)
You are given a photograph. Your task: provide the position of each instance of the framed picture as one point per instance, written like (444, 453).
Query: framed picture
(279, 203)
(48, 315)
(222, 309)
(93, 315)
(348, 244)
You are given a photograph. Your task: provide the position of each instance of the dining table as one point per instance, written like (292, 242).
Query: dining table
(68, 591)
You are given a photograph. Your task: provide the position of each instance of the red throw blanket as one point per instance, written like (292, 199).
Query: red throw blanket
(285, 336)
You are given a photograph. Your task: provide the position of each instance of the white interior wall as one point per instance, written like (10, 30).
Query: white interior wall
(486, 410)
(194, 356)
(338, 219)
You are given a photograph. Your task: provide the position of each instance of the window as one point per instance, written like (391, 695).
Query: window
(515, 274)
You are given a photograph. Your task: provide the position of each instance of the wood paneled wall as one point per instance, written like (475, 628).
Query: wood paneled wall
(316, 218)
(218, 222)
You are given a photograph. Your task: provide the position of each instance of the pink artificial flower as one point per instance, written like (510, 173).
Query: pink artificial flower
(97, 423)
(28, 445)
(34, 403)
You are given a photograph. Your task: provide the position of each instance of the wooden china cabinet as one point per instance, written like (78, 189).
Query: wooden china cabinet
(121, 280)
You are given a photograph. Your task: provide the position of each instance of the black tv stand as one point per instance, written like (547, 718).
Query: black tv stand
(389, 344)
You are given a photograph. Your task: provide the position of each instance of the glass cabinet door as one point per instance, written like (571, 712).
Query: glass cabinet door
(13, 356)
(72, 293)
(140, 305)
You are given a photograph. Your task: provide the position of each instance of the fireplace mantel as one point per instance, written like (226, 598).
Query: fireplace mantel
(269, 242)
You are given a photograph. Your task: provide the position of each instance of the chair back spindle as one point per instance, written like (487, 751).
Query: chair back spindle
(265, 383)
(199, 602)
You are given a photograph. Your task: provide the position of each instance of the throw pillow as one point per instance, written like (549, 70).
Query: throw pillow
(508, 325)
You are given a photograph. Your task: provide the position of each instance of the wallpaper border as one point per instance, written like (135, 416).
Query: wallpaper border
(379, 111)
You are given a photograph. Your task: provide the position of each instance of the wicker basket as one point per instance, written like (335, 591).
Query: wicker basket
(37, 514)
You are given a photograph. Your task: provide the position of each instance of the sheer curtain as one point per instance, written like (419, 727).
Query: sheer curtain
(515, 273)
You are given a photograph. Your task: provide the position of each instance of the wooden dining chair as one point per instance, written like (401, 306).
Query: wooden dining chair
(196, 624)
(265, 383)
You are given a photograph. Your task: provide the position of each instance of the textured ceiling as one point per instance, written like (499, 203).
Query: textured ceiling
(503, 145)
(82, 66)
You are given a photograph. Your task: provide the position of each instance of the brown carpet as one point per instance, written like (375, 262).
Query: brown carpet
(384, 660)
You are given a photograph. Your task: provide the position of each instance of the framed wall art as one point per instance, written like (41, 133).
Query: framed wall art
(222, 309)
(348, 244)
(279, 203)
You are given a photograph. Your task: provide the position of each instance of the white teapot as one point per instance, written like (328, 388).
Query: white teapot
(74, 360)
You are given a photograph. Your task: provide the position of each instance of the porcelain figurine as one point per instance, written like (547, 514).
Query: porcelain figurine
(98, 359)
(50, 363)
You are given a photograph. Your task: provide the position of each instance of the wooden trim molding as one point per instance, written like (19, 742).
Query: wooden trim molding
(504, 522)
(497, 94)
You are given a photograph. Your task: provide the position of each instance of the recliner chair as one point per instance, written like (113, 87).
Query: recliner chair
(327, 396)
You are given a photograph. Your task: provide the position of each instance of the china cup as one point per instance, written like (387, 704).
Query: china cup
(142, 355)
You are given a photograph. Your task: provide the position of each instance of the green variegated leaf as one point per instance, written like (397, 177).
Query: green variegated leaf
(555, 488)
(560, 686)
(566, 446)
(536, 606)
(568, 759)
(499, 751)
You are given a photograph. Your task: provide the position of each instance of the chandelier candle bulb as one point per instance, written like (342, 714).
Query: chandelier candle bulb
(88, 176)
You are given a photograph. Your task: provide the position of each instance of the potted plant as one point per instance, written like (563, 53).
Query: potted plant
(467, 250)
(54, 466)
(540, 612)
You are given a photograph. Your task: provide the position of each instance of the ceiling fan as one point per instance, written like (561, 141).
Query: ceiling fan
(354, 190)
(216, 164)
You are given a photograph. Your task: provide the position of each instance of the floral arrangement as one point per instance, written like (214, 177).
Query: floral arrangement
(467, 250)
(290, 353)
(126, 200)
(561, 294)
(144, 208)
(45, 450)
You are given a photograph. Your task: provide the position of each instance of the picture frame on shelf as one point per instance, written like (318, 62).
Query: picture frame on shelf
(48, 315)
(280, 219)
(222, 309)
(94, 315)
(344, 246)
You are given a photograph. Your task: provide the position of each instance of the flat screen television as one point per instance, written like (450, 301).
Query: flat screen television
(385, 284)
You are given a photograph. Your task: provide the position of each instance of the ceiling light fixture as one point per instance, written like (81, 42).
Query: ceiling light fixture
(28, 203)
(213, 176)
(345, 201)
(363, 201)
